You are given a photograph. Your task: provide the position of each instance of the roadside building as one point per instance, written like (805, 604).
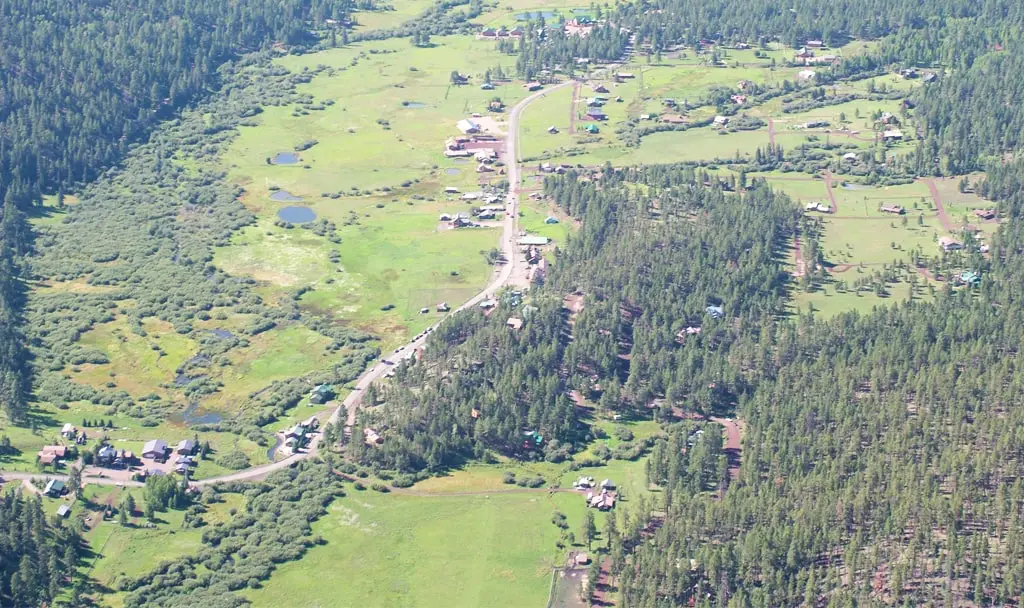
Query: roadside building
(55, 488)
(948, 243)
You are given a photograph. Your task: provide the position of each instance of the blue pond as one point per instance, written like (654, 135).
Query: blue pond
(223, 334)
(296, 215)
(193, 415)
(283, 196)
(533, 15)
(285, 158)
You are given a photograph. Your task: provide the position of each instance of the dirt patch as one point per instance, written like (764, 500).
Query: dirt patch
(733, 447)
(566, 586)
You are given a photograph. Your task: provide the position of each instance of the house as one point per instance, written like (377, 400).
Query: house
(895, 209)
(930, 77)
(514, 323)
(969, 277)
(106, 456)
(488, 33)
(487, 86)
(57, 451)
(551, 220)
(806, 75)
(321, 393)
(63, 511)
(595, 113)
(744, 85)
(948, 243)
(533, 86)
(721, 121)
(803, 53)
(372, 437)
(296, 432)
(486, 155)
(496, 106)
(516, 32)
(850, 157)
(815, 44)
(486, 214)
(68, 431)
(311, 423)
(716, 312)
(488, 304)
(607, 485)
(592, 129)
(673, 119)
(552, 129)
(909, 74)
(55, 488)
(45, 459)
(186, 447)
(155, 449)
(823, 208)
(738, 99)
(815, 124)
(443, 307)
(533, 241)
(624, 76)
(599, 88)
(467, 126)
(451, 190)
(892, 135)
(445, 217)
(581, 559)
(985, 214)
(483, 168)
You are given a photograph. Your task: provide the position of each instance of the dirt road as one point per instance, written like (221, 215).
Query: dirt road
(944, 219)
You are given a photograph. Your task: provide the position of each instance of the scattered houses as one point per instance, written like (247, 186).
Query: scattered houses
(969, 278)
(52, 454)
(894, 209)
(372, 437)
(985, 214)
(186, 447)
(820, 207)
(850, 157)
(488, 304)
(721, 121)
(443, 307)
(514, 323)
(715, 312)
(806, 75)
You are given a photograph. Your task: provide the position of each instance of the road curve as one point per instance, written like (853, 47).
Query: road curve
(351, 403)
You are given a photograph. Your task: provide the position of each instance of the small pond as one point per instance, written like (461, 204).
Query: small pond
(283, 196)
(452, 171)
(533, 15)
(223, 334)
(415, 105)
(285, 158)
(181, 380)
(193, 415)
(297, 215)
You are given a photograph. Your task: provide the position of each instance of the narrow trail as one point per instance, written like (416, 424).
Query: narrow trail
(831, 194)
(572, 106)
(350, 405)
(771, 132)
(944, 219)
(733, 446)
(801, 265)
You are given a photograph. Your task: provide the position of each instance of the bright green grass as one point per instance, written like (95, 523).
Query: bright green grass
(395, 550)
(858, 200)
(799, 186)
(698, 144)
(531, 219)
(404, 10)
(869, 241)
(828, 302)
(857, 116)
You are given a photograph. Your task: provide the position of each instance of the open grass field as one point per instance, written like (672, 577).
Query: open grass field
(381, 143)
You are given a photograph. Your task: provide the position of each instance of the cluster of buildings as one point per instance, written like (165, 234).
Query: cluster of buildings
(819, 207)
(599, 496)
(52, 454)
(485, 149)
(300, 434)
(490, 33)
(184, 452)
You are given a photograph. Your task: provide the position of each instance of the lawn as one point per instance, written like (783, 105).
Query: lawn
(870, 241)
(827, 301)
(400, 550)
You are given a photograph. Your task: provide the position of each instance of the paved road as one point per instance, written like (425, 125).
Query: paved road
(351, 403)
